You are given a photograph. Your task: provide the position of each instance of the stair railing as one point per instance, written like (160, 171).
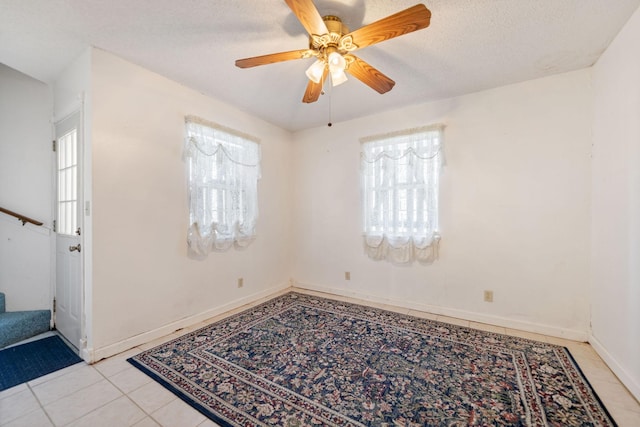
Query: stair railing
(24, 219)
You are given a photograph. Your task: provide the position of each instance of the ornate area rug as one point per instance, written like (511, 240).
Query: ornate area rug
(300, 360)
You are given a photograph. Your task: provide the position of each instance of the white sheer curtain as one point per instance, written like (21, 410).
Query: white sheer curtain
(223, 169)
(400, 174)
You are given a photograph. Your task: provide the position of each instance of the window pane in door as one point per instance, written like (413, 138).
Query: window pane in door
(68, 183)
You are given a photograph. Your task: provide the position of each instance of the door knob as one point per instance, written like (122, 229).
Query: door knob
(75, 248)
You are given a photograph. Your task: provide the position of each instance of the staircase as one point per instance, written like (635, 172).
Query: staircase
(16, 326)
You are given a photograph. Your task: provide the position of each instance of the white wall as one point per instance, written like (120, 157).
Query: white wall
(515, 199)
(616, 206)
(142, 277)
(26, 107)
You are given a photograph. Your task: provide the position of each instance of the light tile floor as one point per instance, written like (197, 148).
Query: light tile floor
(112, 393)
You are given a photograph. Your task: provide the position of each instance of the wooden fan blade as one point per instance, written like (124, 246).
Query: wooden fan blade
(271, 58)
(409, 20)
(370, 76)
(314, 89)
(308, 16)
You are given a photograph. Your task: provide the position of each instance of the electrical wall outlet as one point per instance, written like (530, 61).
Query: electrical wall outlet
(488, 296)
(240, 282)
(347, 275)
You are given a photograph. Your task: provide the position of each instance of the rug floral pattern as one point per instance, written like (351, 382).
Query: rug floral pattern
(300, 360)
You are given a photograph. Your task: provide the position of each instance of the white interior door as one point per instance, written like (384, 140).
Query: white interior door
(68, 292)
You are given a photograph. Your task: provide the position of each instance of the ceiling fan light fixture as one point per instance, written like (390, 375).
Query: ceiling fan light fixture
(336, 61)
(315, 71)
(337, 65)
(338, 77)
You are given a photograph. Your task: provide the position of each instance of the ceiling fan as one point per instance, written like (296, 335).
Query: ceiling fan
(331, 43)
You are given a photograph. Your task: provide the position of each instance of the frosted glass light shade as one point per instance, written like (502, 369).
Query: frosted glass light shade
(315, 71)
(338, 77)
(336, 62)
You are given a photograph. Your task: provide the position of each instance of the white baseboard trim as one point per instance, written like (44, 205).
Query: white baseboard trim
(95, 355)
(617, 368)
(569, 334)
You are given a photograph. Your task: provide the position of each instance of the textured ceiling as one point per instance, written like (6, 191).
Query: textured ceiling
(471, 45)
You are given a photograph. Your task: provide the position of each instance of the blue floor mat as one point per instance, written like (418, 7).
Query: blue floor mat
(34, 359)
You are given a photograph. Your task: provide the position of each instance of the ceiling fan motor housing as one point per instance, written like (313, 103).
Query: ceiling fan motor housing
(335, 25)
(335, 30)
(335, 40)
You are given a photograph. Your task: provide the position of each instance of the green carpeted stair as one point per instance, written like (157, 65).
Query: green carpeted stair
(16, 326)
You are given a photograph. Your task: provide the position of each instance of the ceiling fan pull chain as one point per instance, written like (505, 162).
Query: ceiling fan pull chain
(330, 108)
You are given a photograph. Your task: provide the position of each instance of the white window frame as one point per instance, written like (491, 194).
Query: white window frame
(400, 175)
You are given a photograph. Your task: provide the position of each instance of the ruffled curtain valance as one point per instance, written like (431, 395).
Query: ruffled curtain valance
(400, 174)
(223, 168)
(402, 250)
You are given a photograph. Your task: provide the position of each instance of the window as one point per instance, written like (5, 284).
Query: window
(224, 168)
(67, 149)
(400, 174)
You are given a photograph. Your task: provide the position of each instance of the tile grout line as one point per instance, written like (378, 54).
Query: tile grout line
(61, 397)
(46, 414)
(124, 394)
(80, 389)
(132, 400)
(147, 414)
